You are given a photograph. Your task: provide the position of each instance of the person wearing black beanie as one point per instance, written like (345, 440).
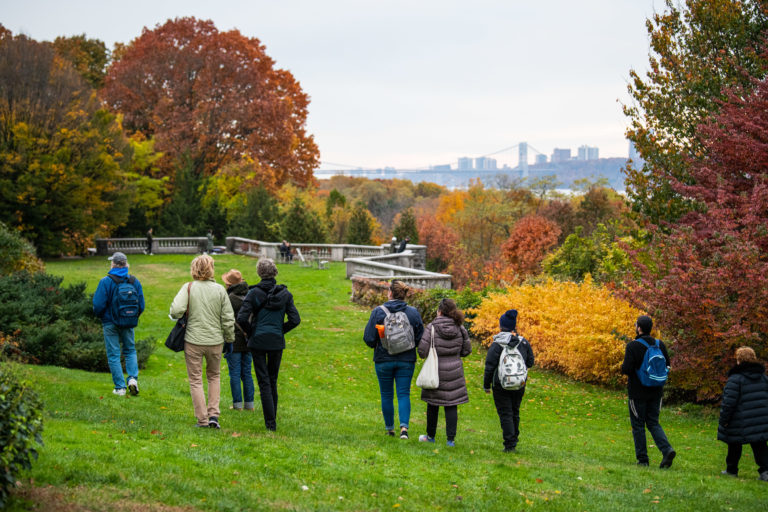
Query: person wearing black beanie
(507, 401)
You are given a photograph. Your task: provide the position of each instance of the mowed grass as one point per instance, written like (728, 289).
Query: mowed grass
(103, 452)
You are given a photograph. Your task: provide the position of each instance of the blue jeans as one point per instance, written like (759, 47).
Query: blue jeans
(114, 337)
(399, 374)
(642, 414)
(240, 370)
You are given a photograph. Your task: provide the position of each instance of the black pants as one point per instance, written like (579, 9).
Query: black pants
(645, 414)
(508, 408)
(451, 420)
(760, 450)
(266, 363)
(149, 246)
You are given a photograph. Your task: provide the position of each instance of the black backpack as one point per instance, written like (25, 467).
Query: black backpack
(125, 302)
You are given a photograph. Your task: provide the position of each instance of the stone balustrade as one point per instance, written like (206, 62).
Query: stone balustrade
(377, 268)
(168, 245)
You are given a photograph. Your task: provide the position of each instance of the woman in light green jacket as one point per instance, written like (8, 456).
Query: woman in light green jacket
(210, 324)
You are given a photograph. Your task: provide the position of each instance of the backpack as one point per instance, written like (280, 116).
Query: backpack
(653, 371)
(398, 332)
(512, 369)
(125, 302)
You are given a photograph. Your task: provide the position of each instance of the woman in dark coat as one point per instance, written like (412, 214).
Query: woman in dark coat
(451, 344)
(237, 354)
(744, 413)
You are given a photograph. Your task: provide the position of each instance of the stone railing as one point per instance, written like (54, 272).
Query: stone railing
(376, 268)
(170, 245)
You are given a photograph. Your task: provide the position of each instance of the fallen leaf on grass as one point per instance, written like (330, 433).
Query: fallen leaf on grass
(155, 432)
(193, 445)
(539, 481)
(236, 434)
(646, 491)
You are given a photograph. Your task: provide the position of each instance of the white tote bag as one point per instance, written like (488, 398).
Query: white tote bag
(429, 376)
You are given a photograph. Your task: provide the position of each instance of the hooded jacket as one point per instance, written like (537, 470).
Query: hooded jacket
(744, 411)
(211, 320)
(270, 303)
(237, 293)
(103, 306)
(500, 341)
(451, 344)
(371, 334)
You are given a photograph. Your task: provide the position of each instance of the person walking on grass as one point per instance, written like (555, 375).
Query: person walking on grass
(237, 354)
(148, 250)
(744, 413)
(210, 324)
(451, 342)
(394, 370)
(518, 355)
(645, 390)
(263, 318)
(118, 302)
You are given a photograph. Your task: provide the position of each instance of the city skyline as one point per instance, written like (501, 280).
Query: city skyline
(417, 84)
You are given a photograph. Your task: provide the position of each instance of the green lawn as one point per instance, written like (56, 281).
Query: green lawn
(103, 452)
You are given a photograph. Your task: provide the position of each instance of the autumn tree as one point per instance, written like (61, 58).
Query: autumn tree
(257, 216)
(705, 281)
(213, 97)
(89, 57)
(698, 48)
(532, 237)
(61, 180)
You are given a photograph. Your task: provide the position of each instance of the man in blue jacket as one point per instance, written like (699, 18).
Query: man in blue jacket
(119, 315)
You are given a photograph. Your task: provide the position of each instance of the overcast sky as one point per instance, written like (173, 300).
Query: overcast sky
(415, 83)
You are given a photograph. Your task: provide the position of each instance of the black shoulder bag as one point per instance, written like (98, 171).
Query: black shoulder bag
(175, 340)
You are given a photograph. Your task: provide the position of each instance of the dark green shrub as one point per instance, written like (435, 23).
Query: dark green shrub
(21, 426)
(43, 323)
(16, 253)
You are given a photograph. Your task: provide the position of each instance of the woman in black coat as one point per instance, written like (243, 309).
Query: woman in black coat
(744, 413)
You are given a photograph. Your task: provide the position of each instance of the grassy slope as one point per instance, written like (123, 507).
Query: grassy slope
(575, 451)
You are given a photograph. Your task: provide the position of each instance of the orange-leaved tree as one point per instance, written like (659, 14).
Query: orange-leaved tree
(578, 329)
(532, 237)
(213, 97)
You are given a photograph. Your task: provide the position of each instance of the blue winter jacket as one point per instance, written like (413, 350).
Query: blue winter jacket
(371, 334)
(102, 299)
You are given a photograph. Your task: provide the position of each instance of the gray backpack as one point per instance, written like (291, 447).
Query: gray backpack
(398, 332)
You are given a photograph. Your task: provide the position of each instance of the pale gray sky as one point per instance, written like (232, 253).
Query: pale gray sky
(415, 83)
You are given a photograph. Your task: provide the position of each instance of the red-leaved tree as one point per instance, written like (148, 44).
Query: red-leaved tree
(706, 282)
(531, 238)
(212, 97)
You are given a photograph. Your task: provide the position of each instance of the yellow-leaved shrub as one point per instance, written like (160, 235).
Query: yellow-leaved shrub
(578, 329)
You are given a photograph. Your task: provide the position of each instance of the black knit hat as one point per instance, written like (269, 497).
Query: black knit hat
(508, 320)
(645, 323)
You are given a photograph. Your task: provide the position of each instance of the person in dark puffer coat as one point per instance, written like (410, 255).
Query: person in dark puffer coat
(744, 413)
(451, 342)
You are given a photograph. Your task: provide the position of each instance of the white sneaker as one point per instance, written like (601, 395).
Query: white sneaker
(119, 392)
(133, 386)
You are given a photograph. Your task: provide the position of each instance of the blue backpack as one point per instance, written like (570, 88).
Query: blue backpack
(125, 302)
(653, 371)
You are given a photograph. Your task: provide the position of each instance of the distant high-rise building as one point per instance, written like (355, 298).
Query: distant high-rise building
(541, 159)
(560, 155)
(634, 155)
(465, 164)
(483, 163)
(588, 153)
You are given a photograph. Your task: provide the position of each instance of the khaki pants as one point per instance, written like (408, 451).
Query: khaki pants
(193, 355)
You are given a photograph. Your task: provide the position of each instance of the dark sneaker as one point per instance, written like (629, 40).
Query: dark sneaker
(426, 439)
(450, 444)
(666, 462)
(642, 463)
(133, 386)
(403, 433)
(763, 476)
(213, 422)
(510, 450)
(391, 433)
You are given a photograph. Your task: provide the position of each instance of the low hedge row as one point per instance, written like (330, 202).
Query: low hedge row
(43, 323)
